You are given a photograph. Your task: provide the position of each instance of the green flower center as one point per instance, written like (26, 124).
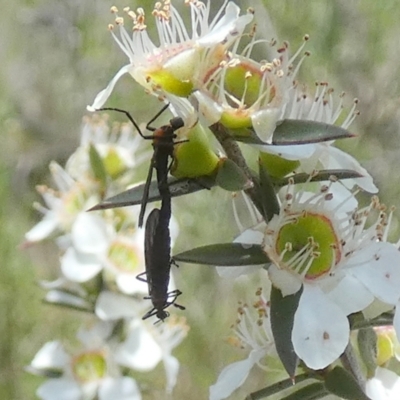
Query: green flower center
(242, 84)
(90, 366)
(308, 245)
(113, 163)
(123, 256)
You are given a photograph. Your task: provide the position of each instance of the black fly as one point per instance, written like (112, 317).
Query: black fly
(163, 145)
(157, 246)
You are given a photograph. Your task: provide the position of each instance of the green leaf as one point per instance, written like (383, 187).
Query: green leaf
(225, 255)
(133, 196)
(269, 200)
(231, 177)
(298, 131)
(342, 384)
(45, 372)
(246, 135)
(322, 175)
(278, 387)
(311, 392)
(97, 165)
(282, 316)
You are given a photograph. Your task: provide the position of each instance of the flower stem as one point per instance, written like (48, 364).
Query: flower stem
(233, 152)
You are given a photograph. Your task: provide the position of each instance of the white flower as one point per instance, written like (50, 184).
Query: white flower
(243, 93)
(147, 344)
(319, 243)
(253, 331)
(174, 65)
(117, 146)
(91, 373)
(322, 155)
(64, 204)
(94, 246)
(385, 385)
(315, 244)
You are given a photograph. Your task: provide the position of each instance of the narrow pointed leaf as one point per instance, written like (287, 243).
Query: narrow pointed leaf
(45, 372)
(342, 384)
(133, 196)
(297, 131)
(282, 316)
(322, 175)
(279, 387)
(97, 165)
(225, 255)
(269, 200)
(311, 392)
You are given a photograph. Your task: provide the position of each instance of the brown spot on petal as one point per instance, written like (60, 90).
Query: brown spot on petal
(326, 336)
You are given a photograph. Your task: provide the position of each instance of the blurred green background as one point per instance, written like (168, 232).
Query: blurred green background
(56, 55)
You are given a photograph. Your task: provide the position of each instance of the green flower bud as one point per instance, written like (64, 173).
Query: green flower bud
(278, 167)
(194, 158)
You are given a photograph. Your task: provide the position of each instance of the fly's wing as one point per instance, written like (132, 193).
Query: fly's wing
(149, 237)
(146, 190)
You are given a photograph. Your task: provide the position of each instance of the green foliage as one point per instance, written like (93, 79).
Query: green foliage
(57, 55)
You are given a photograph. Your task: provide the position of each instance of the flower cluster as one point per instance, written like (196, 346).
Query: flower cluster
(325, 261)
(101, 253)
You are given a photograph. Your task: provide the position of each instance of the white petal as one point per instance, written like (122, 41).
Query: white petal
(236, 272)
(295, 152)
(96, 334)
(59, 389)
(385, 385)
(139, 351)
(124, 388)
(102, 97)
(128, 284)
(43, 229)
(264, 123)
(89, 234)
(60, 297)
(341, 195)
(336, 158)
(351, 295)
(79, 267)
(320, 330)
(171, 365)
(234, 375)
(51, 355)
(209, 111)
(250, 236)
(376, 308)
(229, 23)
(113, 306)
(283, 280)
(378, 268)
